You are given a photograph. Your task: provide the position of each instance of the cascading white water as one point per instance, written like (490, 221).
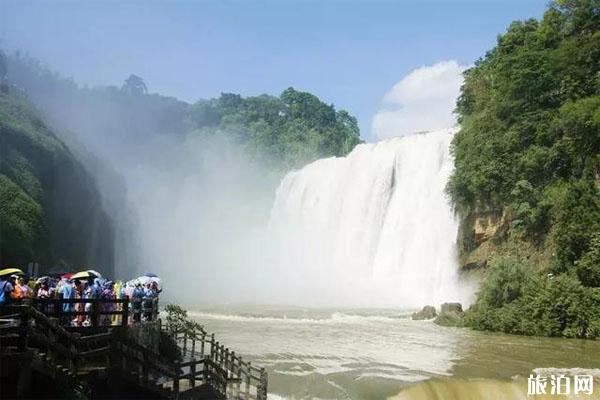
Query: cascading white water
(374, 227)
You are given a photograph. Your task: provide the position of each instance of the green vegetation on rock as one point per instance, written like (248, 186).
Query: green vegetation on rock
(529, 150)
(50, 209)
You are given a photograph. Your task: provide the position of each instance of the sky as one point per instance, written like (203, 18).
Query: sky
(395, 65)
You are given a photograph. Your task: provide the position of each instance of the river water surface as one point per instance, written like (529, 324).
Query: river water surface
(382, 353)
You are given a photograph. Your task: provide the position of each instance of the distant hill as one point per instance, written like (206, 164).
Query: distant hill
(284, 132)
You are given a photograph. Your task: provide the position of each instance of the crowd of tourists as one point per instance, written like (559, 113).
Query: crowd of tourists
(141, 293)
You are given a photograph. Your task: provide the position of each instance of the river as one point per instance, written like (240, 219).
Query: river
(381, 353)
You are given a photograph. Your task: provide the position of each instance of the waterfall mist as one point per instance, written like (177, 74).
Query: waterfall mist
(372, 228)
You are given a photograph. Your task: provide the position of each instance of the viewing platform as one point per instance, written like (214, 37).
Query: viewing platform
(41, 352)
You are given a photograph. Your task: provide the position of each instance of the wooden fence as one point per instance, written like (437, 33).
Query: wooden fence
(98, 312)
(204, 362)
(237, 378)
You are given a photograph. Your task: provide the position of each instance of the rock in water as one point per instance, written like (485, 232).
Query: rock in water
(451, 314)
(428, 312)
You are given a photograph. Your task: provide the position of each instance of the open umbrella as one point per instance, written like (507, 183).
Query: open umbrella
(93, 271)
(158, 282)
(11, 271)
(143, 280)
(151, 275)
(86, 274)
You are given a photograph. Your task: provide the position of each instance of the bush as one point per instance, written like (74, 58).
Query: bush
(588, 266)
(514, 299)
(168, 348)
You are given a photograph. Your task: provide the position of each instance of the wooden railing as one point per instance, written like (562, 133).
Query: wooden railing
(204, 361)
(232, 376)
(99, 312)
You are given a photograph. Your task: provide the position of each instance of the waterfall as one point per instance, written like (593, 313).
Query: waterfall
(374, 227)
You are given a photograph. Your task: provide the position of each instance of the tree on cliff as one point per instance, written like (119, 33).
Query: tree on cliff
(3, 69)
(134, 85)
(529, 143)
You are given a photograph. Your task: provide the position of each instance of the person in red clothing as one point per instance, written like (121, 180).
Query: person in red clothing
(17, 293)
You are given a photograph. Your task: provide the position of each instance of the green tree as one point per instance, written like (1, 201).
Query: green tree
(529, 148)
(3, 69)
(134, 85)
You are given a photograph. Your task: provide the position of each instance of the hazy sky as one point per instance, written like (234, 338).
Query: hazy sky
(350, 53)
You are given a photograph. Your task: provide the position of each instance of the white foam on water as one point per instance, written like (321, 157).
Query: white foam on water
(334, 318)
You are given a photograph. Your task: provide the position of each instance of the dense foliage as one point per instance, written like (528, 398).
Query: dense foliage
(49, 208)
(514, 300)
(287, 131)
(529, 147)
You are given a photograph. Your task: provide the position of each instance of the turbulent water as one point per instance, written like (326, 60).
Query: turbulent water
(374, 226)
(318, 353)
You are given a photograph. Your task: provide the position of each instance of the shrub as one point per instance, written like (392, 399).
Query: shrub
(514, 299)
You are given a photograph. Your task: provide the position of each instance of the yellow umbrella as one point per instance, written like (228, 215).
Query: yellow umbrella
(11, 271)
(85, 274)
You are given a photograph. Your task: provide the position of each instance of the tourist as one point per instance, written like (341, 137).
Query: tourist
(25, 288)
(6, 289)
(79, 287)
(107, 293)
(67, 292)
(44, 290)
(89, 293)
(17, 293)
(136, 301)
(150, 294)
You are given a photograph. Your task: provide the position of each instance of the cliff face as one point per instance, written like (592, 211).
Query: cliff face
(487, 224)
(487, 237)
(50, 207)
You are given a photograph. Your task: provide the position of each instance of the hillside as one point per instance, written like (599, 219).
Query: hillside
(285, 131)
(526, 183)
(50, 208)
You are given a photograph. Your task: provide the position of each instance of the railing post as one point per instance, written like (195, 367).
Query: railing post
(145, 368)
(125, 311)
(23, 330)
(248, 373)
(176, 380)
(193, 373)
(207, 373)
(94, 314)
(261, 390)
(202, 345)
(234, 388)
(194, 345)
(155, 309)
(226, 370)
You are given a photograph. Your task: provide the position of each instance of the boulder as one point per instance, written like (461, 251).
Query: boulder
(451, 314)
(428, 312)
(474, 265)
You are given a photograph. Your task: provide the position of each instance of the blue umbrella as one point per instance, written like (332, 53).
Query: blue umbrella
(151, 275)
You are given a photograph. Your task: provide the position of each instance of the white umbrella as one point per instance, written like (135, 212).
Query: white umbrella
(144, 280)
(158, 281)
